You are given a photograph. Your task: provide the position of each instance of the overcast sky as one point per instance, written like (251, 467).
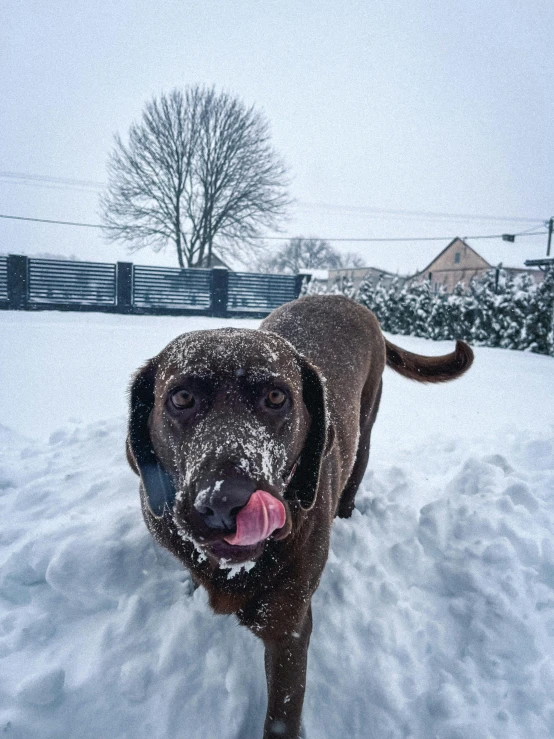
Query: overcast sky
(437, 106)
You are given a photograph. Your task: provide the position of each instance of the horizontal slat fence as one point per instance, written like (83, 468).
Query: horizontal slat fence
(3, 278)
(160, 287)
(27, 283)
(258, 293)
(80, 283)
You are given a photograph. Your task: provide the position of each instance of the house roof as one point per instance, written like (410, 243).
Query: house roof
(217, 261)
(341, 270)
(459, 241)
(317, 274)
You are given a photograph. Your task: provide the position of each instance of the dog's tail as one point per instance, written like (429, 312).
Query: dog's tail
(430, 369)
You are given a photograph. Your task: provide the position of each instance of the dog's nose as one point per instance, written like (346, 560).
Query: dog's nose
(219, 503)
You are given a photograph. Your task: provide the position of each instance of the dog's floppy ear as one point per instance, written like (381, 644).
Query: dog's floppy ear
(157, 484)
(319, 440)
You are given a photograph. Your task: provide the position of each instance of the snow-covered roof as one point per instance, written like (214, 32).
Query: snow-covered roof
(316, 274)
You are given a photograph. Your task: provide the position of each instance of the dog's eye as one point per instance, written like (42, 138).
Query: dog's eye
(182, 399)
(275, 398)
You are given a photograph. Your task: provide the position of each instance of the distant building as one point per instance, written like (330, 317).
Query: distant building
(458, 262)
(318, 276)
(356, 275)
(215, 262)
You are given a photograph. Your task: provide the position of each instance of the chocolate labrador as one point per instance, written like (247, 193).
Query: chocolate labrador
(248, 443)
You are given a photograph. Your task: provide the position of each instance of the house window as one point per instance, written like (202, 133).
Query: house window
(457, 256)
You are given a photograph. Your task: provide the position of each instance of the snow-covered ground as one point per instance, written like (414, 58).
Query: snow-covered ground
(435, 615)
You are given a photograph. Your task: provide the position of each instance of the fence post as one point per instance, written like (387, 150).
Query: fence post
(219, 289)
(124, 287)
(299, 280)
(18, 281)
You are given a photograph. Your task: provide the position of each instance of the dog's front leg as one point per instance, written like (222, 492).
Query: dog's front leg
(286, 657)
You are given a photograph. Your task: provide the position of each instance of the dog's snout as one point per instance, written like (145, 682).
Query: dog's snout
(219, 502)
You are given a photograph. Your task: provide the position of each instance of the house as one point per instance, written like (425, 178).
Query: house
(356, 275)
(459, 262)
(216, 261)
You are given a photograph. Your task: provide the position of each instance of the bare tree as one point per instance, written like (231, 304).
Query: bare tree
(197, 168)
(352, 260)
(300, 254)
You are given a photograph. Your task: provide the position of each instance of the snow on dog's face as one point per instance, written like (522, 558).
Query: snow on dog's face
(227, 428)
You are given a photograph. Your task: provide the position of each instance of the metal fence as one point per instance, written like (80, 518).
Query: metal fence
(4, 278)
(41, 284)
(76, 283)
(161, 287)
(258, 293)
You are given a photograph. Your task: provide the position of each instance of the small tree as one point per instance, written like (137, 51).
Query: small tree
(539, 325)
(351, 260)
(382, 303)
(522, 290)
(416, 308)
(198, 167)
(395, 304)
(299, 254)
(485, 325)
(458, 318)
(366, 292)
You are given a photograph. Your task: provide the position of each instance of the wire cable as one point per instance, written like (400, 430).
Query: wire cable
(284, 237)
(24, 178)
(366, 210)
(51, 220)
(28, 179)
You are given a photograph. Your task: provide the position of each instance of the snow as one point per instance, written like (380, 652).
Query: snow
(435, 614)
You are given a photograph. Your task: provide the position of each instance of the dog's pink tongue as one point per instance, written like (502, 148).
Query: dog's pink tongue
(259, 518)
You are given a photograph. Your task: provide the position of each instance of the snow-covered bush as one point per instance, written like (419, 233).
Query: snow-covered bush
(499, 309)
(538, 326)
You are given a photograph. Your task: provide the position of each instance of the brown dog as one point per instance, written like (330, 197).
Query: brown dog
(248, 443)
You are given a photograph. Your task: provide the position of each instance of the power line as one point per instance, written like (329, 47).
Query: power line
(530, 231)
(24, 178)
(50, 220)
(371, 239)
(363, 210)
(51, 186)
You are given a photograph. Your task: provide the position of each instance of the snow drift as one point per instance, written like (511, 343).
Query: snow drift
(434, 618)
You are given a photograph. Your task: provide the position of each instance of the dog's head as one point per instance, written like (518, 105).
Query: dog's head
(227, 430)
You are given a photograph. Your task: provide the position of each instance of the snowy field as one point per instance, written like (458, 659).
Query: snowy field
(435, 615)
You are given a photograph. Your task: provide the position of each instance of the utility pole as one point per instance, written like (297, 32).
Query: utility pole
(496, 276)
(550, 227)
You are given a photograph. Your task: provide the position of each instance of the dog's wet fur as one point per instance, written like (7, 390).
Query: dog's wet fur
(204, 434)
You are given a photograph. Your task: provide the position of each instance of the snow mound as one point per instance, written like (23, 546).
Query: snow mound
(434, 618)
(448, 629)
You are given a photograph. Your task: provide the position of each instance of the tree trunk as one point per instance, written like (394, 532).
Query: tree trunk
(179, 250)
(178, 237)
